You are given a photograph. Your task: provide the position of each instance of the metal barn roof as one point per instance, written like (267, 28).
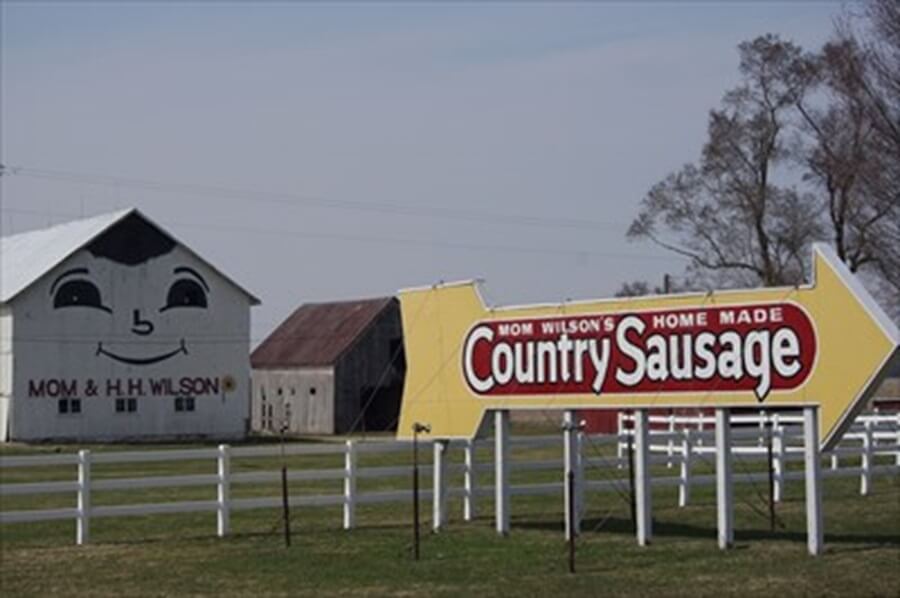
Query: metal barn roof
(26, 257)
(317, 334)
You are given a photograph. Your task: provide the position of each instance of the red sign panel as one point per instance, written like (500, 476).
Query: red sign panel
(758, 348)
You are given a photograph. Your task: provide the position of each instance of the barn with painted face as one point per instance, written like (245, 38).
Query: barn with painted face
(111, 329)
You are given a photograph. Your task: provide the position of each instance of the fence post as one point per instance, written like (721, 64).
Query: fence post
(620, 446)
(700, 426)
(83, 522)
(469, 481)
(777, 458)
(350, 485)
(763, 419)
(223, 511)
(684, 483)
(865, 480)
(670, 446)
(439, 481)
(897, 462)
(814, 530)
(642, 487)
(501, 470)
(835, 460)
(724, 482)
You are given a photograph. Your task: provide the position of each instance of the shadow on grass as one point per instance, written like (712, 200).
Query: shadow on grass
(623, 526)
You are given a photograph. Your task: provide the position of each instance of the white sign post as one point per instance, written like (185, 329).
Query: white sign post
(223, 490)
(83, 523)
(815, 536)
(439, 479)
(643, 495)
(724, 482)
(469, 481)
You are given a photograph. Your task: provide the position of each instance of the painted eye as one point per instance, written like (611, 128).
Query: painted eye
(78, 293)
(185, 293)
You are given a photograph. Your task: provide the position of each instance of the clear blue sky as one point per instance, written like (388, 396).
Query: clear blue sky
(550, 113)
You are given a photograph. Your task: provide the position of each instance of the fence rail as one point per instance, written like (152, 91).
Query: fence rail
(675, 441)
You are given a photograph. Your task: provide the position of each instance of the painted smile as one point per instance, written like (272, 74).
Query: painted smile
(142, 360)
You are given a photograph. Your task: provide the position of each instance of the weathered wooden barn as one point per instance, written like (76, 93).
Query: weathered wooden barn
(330, 368)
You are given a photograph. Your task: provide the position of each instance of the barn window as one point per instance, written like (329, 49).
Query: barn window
(183, 404)
(128, 405)
(312, 391)
(70, 406)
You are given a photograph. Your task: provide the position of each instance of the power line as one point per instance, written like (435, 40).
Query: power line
(406, 241)
(293, 200)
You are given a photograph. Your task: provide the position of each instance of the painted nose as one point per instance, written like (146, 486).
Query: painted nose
(139, 326)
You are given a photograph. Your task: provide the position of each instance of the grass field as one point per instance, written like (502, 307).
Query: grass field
(179, 554)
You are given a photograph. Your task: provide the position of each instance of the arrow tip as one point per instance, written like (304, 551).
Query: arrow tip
(825, 254)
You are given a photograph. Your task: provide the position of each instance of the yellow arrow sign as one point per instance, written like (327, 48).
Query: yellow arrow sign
(827, 344)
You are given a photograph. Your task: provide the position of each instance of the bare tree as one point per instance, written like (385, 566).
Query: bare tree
(806, 148)
(879, 77)
(640, 288)
(637, 288)
(840, 152)
(851, 143)
(728, 213)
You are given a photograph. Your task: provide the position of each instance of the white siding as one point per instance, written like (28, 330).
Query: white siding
(56, 346)
(6, 369)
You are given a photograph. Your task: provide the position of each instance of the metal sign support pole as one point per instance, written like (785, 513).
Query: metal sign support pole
(770, 431)
(501, 471)
(417, 427)
(571, 465)
(415, 481)
(570, 520)
(285, 507)
(630, 448)
(285, 501)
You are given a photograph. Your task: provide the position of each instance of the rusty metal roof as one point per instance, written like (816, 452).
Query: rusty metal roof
(317, 334)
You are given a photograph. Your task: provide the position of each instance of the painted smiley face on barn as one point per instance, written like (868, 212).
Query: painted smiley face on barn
(134, 285)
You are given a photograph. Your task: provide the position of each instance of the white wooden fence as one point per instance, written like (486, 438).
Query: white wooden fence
(681, 442)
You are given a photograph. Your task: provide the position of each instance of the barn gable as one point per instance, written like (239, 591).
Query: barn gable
(126, 236)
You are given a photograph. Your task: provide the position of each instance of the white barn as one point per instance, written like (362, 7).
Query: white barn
(111, 329)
